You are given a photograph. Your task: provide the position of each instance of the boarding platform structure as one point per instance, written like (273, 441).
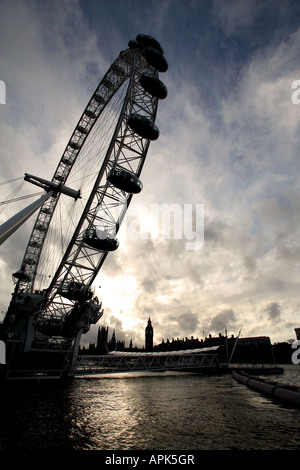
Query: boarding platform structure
(205, 360)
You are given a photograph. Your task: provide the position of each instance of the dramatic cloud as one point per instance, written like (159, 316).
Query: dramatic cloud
(273, 311)
(225, 318)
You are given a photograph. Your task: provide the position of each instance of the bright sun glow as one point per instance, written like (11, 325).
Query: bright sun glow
(139, 223)
(118, 295)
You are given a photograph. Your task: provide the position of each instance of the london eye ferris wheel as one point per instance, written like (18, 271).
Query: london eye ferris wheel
(102, 164)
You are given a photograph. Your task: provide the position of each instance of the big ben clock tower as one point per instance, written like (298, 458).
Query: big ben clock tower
(149, 337)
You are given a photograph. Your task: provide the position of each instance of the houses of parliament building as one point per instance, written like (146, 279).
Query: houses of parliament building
(251, 349)
(103, 345)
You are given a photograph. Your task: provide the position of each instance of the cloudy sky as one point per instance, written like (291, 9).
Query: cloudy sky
(229, 143)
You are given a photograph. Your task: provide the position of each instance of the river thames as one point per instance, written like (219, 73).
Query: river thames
(147, 411)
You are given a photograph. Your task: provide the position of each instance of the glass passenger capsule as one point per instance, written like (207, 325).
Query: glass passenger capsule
(74, 145)
(75, 291)
(144, 40)
(143, 126)
(156, 59)
(90, 114)
(100, 240)
(125, 180)
(46, 210)
(153, 85)
(99, 99)
(67, 161)
(59, 178)
(81, 129)
(21, 275)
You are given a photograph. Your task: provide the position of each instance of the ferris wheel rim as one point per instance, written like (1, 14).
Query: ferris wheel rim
(92, 121)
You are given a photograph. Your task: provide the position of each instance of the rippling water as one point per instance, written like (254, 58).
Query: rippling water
(153, 412)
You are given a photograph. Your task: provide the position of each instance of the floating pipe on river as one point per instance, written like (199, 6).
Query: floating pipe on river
(284, 392)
